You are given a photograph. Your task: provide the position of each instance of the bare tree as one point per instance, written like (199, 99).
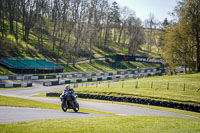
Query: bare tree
(125, 13)
(151, 26)
(136, 34)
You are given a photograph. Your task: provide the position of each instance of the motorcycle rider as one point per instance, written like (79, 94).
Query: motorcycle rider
(69, 91)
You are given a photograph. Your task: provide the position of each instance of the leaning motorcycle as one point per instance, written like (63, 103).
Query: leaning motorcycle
(69, 101)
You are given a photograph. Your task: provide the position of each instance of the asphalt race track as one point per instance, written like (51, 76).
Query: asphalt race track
(16, 114)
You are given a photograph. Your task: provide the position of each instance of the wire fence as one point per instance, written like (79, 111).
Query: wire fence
(157, 85)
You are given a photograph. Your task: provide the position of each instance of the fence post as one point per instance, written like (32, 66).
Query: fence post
(96, 84)
(151, 84)
(122, 83)
(136, 85)
(168, 86)
(108, 84)
(184, 87)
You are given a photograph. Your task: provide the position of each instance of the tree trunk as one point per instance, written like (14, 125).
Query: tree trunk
(198, 51)
(11, 15)
(2, 23)
(120, 34)
(54, 38)
(106, 36)
(16, 33)
(91, 49)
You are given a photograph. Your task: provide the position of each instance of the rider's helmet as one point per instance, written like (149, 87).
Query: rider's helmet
(67, 87)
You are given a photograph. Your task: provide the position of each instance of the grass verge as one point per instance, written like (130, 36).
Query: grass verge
(115, 124)
(19, 102)
(178, 88)
(178, 111)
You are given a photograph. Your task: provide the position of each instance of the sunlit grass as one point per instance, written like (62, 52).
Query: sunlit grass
(19, 102)
(168, 88)
(102, 66)
(111, 124)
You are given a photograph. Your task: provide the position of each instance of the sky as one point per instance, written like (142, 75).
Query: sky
(160, 8)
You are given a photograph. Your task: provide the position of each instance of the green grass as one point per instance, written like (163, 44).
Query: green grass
(11, 88)
(158, 91)
(190, 113)
(102, 66)
(19, 102)
(139, 124)
(177, 111)
(4, 71)
(32, 49)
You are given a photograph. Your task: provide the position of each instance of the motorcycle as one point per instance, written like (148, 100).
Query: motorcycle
(69, 101)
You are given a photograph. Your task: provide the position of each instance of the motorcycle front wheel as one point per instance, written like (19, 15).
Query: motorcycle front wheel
(76, 107)
(64, 106)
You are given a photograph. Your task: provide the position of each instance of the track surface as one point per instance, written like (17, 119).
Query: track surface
(17, 114)
(11, 114)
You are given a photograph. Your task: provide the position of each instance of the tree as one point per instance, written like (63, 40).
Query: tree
(188, 12)
(178, 49)
(151, 29)
(165, 23)
(125, 13)
(2, 16)
(115, 19)
(135, 33)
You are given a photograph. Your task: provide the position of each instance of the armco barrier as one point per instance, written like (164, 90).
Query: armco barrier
(13, 85)
(168, 104)
(79, 75)
(99, 78)
(53, 83)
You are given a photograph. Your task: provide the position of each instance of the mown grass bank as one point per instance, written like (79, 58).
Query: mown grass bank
(117, 124)
(102, 66)
(182, 88)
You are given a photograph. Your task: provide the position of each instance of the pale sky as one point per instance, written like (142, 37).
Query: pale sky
(160, 8)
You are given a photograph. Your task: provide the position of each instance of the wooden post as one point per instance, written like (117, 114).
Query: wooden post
(108, 84)
(168, 86)
(96, 84)
(151, 84)
(136, 85)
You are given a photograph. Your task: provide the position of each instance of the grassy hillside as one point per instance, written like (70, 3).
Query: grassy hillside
(183, 88)
(32, 49)
(102, 66)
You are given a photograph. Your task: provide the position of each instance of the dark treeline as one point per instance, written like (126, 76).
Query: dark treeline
(72, 27)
